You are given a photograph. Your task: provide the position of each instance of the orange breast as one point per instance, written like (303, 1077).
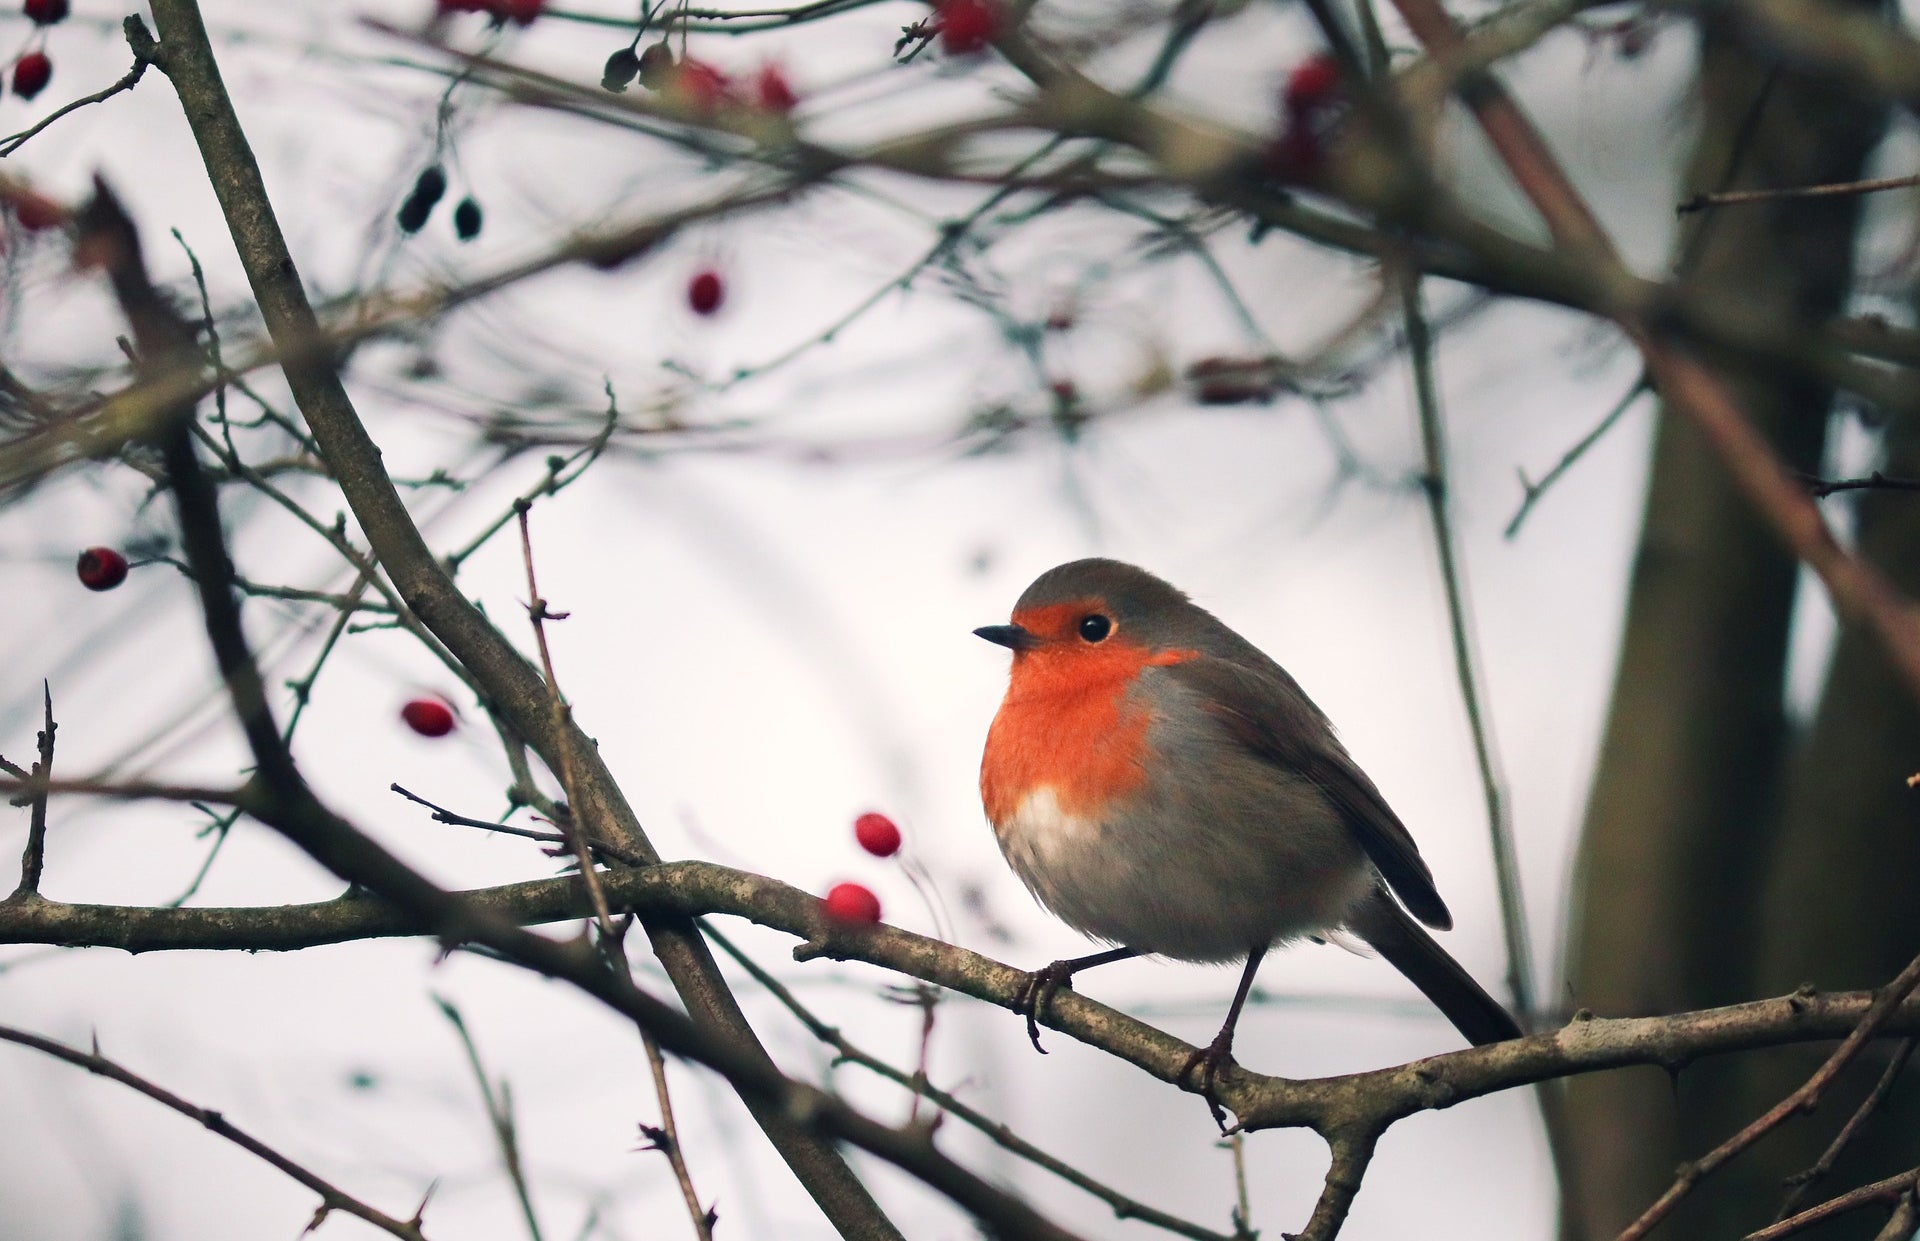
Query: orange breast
(1063, 725)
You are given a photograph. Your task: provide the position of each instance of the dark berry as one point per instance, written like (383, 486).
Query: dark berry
(621, 68)
(46, 12)
(427, 190)
(101, 568)
(31, 73)
(705, 292)
(466, 219)
(656, 66)
(431, 184)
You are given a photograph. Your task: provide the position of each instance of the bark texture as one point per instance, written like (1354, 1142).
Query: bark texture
(1667, 908)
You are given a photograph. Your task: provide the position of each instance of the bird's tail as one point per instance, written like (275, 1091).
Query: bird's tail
(1394, 935)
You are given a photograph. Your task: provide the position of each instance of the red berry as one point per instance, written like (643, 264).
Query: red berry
(36, 211)
(46, 12)
(521, 12)
(852, 903)
(877, 834)
(428, 716)
(31, 73)
(699, 85)
(772, 92)
(1313, 82)
(705, 292)
(101, 568)
(967, 26)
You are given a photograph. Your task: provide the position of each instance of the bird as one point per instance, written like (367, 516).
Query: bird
(1162, 785)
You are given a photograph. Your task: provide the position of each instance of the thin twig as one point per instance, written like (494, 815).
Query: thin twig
(1803, 1182)
(332, 1198)
(1821, 488)
(667, 1138)
(1242, 1205)
(141, 59)
(1532, 491)
(1885, 1002)
(1894, 1189)
(576, 836)
(1860, 591)
(33, 858)
(442, 815)
(1506, 863)
(499, 1116)
(25, 783)
(1700, 202)
(538, 615)
(1124, 1207)
(561, 471)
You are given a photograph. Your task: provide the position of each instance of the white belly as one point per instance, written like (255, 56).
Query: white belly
(1172, 887)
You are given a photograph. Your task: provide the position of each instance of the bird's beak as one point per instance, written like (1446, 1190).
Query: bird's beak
(1013, 637)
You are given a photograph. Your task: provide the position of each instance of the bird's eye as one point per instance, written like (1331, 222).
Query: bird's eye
(1094, 628)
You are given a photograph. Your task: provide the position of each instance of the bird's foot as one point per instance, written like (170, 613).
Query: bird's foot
(1036, 991)
(1210, 1060)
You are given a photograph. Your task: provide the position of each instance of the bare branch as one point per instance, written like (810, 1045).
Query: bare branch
(332, 1198)
(33, 858)
(1886, 1003)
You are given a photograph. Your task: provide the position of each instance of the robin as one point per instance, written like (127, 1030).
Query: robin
(1160, 784)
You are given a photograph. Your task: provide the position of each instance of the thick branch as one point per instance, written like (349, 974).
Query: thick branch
(691, 889)
(515, 688)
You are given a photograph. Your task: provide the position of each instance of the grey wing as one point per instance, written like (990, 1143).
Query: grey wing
(1266, 710)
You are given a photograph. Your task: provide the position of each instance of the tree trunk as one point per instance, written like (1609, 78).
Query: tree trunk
(1838, 907)
(1665, 913)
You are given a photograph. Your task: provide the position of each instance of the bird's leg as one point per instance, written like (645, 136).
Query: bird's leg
(1038, 987)
(1219, 1053)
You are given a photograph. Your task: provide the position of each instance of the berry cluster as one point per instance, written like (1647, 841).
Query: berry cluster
(33, 69)
(428, 189)
(854, 904)
(697, 85)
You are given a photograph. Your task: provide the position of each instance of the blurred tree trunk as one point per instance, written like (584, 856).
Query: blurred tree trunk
(1838, 906)
(1666, 910)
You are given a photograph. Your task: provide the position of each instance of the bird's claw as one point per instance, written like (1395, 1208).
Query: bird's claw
(1210, 1060)
(1036, 992)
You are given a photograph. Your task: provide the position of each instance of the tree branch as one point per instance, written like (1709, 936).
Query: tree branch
(514, 687)
(332, 1198)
